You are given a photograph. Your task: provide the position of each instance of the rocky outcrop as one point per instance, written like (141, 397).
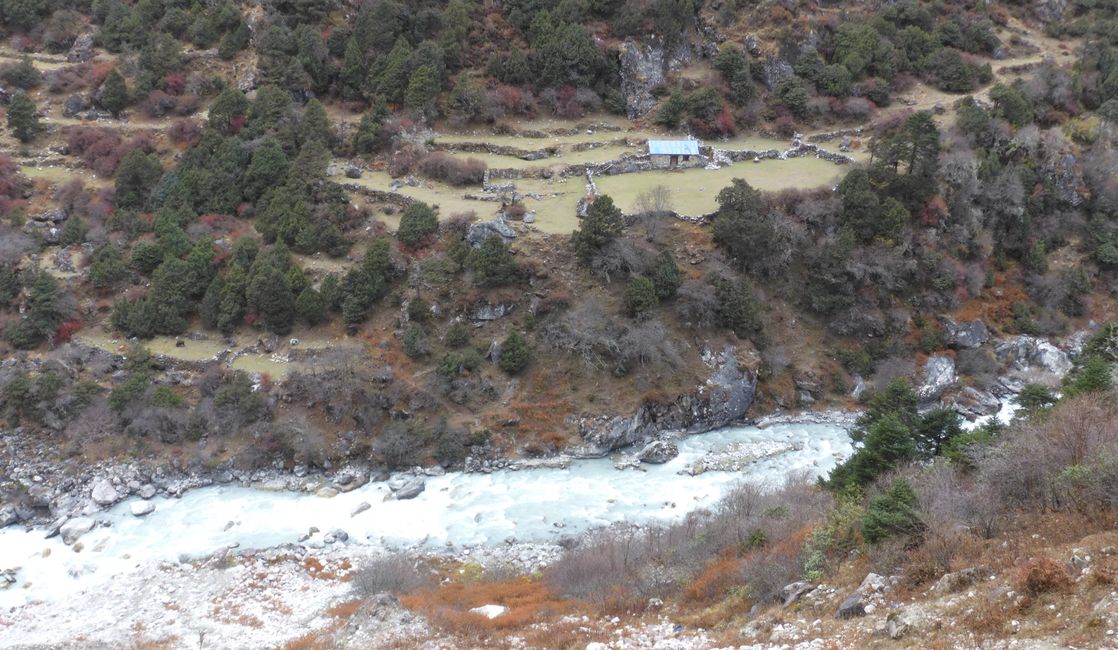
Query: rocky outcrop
(939, 375)
(970, 334)
(642, 69)
(483, 230)
(724, 399)
(82, 49)
(1030, 358)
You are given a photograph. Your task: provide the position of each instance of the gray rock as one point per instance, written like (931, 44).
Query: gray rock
(104, 494)
(939, 375)
(642, 69)
(352, 171)
(725, 398)
(859, 387)
(74, 105)
(75, 528)
(411, 489)
(658, 452)
(361, 507)
(1034, 357)
(8, 516)
(873, 583)
(952, 582)
(852, 606)
(791, 593)
(973, 402)
(339, 535)
(82, 49)
(350, 479)
(479, 232)
(490, 312)
(901, 623)
(776, 70)
(142, 508)
(965, 335)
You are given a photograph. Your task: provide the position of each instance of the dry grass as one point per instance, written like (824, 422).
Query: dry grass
(528, 600)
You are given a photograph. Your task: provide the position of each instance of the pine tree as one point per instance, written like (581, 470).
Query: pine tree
(315, 124)
(640, 297)
(603, 223)
(268, 168)
(310, 306)
(515, 354)
(666, 276)
(23, 118)
(136, 176)
(270, 297)
(422, 90)
(113, 96)
(417, 224)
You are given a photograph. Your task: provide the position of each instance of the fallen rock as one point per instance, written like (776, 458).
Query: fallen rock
(483, 230)
(411, 489)
(658, 452)
(970, 334)
(852, 607)
(952, 582)
(103, 493)
(142, 508)
(75, 528)
(939, 375)
(795, 591)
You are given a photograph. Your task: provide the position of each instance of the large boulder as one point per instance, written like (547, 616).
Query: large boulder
(1033, 359)
(411, 489)
(658, 452)
(103, 493)
(75, 528)
(642, 69)
(967, 334)
(479, 232)
(142, 508)
(939, 375)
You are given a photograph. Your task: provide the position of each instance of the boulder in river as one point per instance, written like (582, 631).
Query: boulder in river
(142, 508)
(658, 452)
(75, 528)
(411, 489)
(103, 493)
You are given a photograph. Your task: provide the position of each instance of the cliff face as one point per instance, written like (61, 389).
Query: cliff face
(724, 399)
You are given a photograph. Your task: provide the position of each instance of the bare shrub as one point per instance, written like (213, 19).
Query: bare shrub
(396, 574)
(442, 166)
(1042, 575)
(1058, 462)
(696, 303)
(102, 149)
(621, 257)
(403, 161)
(648, 344)
(587, 331)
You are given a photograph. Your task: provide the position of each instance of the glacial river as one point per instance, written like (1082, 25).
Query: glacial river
(537, 505)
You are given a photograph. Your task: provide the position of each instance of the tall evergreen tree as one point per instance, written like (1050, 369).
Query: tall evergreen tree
(23, 118)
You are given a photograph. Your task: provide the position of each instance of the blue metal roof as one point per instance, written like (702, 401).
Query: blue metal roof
(673, 147)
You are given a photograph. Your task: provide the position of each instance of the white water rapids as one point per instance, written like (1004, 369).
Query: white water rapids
(537, 505)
